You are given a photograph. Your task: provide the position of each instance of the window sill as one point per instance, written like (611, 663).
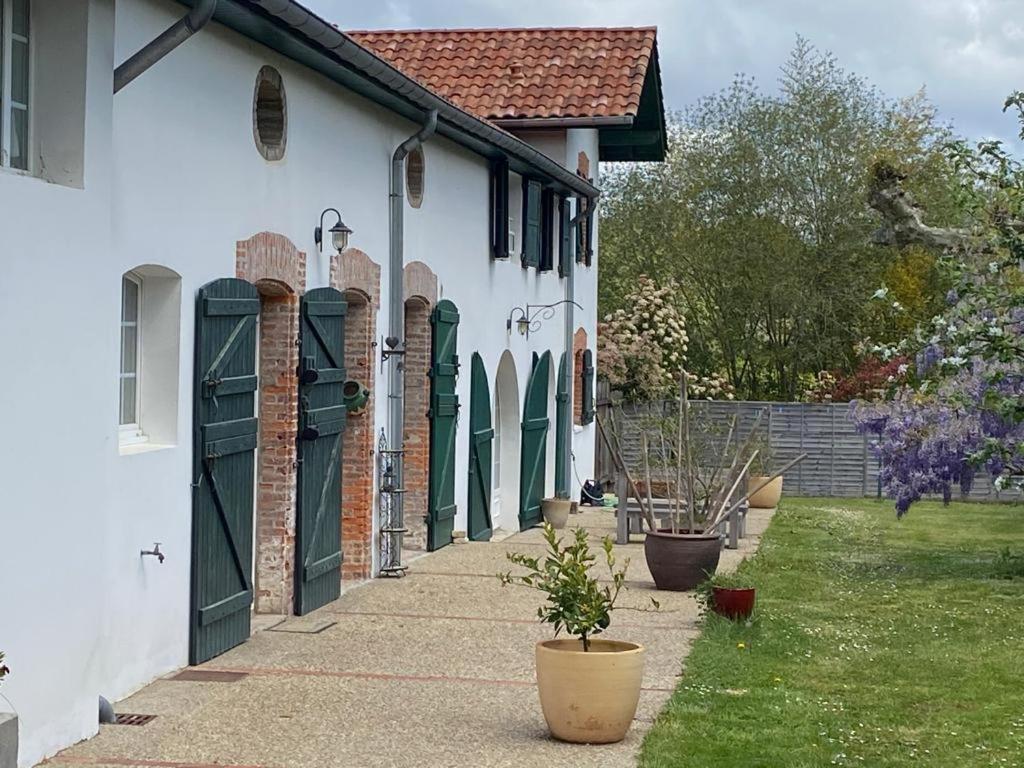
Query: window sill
(130, 449)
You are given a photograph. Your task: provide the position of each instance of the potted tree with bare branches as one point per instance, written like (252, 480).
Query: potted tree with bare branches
(702, 477)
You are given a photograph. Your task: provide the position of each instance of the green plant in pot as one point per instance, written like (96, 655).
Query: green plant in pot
(731, 595)
(703, 463)
(589, 687)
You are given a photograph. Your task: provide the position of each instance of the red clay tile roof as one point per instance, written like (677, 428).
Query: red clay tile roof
(525, 73)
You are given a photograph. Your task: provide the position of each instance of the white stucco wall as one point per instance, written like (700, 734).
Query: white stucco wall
(172, 178)
(59, 315)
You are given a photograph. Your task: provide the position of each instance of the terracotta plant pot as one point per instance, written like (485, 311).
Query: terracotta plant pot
(556, 511)
(589, 697)
(769, 496)
(680, 561)
(733, 603)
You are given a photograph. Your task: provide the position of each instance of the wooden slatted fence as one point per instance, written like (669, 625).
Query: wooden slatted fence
(840, 461)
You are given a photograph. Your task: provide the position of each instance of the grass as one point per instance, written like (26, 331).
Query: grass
(876, 642)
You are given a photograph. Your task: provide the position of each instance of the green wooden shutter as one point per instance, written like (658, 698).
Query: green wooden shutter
(322, 416)
(547, 231)
(223, 466)
(444, 413)
(532, 225)
(533, 443)
(499, 209)
(561, 431)
(588, 386)
(564, 236)
(481, 436)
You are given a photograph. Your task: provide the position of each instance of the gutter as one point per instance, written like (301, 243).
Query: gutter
(540, 123)
(453, 122)
(395, 340)
(197, 18)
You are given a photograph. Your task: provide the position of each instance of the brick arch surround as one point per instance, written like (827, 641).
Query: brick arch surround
(278, 269)
(579, 344)
(421, 295)
(358, 278)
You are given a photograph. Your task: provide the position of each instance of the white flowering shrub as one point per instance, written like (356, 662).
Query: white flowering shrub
(641, 350)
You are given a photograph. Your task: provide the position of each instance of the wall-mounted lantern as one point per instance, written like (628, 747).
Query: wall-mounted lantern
(339, 232)
(530, 318)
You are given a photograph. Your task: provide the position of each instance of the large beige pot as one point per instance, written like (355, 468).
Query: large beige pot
(589, 697)
(769, 496)
(556, 511)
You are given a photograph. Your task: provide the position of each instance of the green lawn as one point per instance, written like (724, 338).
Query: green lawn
(876, 642)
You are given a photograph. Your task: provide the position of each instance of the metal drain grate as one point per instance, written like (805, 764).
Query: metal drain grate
(209, 676)
(126, 719)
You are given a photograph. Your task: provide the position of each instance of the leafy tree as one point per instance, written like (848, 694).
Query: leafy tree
(759, 215)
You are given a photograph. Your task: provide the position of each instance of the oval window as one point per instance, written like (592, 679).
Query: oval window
(414, 174)
(270, 114)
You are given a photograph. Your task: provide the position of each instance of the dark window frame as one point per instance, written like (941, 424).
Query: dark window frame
(499, 208)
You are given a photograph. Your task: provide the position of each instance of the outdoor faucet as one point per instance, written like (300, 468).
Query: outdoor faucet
(155, 552)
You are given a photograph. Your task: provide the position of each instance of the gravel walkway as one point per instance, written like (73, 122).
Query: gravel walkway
(429, 671)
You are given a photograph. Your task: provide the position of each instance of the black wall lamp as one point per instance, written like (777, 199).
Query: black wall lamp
(530, 318)
(339, 232)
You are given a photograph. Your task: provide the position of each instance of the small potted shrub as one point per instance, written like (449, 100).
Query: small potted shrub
(731, 595)
(589, 688)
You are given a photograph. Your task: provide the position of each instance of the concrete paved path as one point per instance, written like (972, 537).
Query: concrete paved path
(429, 671)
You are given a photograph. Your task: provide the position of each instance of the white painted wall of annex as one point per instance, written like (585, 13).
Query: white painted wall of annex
(59, 315)
(172, 178)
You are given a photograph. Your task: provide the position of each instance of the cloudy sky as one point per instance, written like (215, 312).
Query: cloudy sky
(968, 53)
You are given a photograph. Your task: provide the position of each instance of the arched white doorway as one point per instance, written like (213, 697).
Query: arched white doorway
(505, 472)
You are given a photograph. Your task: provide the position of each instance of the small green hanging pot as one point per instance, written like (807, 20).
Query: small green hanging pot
(354, 395)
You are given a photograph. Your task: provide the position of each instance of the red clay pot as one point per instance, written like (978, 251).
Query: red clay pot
(733, 603)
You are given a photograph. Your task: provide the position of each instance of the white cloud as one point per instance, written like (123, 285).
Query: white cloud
(968, 53)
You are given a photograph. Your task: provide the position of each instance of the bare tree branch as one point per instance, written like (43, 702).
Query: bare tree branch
(902, 217)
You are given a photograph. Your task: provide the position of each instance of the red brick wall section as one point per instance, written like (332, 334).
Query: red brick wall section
(417, 425)
(276, 476)
(579, 343)
(358, 278)
(357, 452)
(583, 165)
(421, 295)
(278, 269)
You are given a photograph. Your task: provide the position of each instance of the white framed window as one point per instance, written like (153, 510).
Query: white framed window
(130, 405)
(15, 61)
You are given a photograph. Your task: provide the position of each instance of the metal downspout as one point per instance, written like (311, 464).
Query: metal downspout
(395, 341)
(167, 41)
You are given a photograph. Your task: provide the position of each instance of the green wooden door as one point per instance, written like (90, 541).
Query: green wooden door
(224, 439)
(481, 439)
(321, 429)
(444, 414)
(533, 456)
(561, 431)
